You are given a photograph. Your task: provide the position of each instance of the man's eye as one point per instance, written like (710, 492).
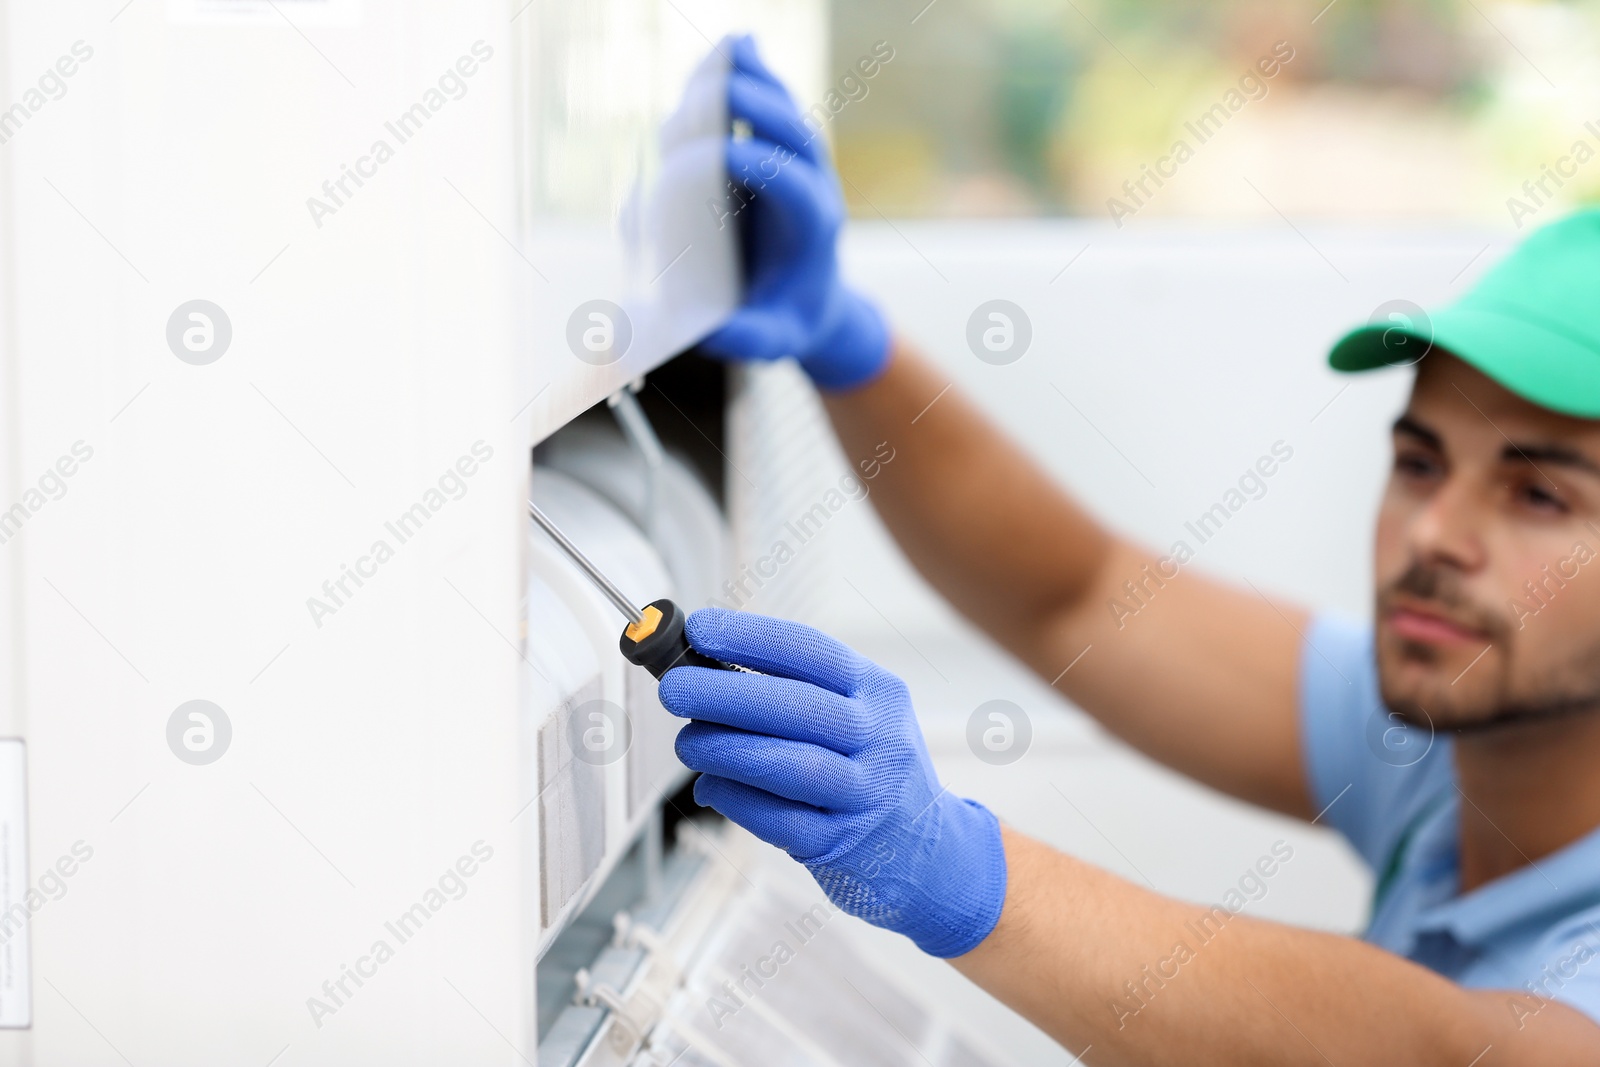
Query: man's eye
(1415, 464)
(1541, 497)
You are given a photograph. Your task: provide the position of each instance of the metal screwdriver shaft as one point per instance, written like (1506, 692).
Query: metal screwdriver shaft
(601, 582)
(654, 638)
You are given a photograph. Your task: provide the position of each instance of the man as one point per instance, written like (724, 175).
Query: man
(1481, 671)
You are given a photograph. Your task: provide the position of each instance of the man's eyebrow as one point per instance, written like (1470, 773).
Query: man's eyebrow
(1555, 455)
(1412, 428)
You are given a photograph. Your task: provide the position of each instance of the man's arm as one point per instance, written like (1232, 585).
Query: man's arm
(1142, 979)
(1202, 679)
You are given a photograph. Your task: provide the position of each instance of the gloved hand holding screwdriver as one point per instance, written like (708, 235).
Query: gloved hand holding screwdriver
(820, 754)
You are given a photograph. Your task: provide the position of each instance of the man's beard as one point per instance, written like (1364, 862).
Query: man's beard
(1441, 587)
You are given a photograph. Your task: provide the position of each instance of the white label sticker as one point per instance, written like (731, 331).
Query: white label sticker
(264, 13)
(16, 978)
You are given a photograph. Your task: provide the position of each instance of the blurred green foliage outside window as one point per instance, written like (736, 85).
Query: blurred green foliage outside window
(1401, 109)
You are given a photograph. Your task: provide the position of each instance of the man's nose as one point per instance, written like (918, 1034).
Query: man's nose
(1446, 530)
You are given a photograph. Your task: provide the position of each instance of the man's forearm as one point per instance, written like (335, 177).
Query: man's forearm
(971, 510)
(1142, 979)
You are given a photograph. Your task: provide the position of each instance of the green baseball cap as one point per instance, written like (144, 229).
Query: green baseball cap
(1532, 323)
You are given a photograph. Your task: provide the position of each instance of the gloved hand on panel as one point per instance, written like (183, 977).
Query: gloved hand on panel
(785, 198)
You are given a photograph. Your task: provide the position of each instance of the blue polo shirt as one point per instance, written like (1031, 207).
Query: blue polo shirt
(1391, 791)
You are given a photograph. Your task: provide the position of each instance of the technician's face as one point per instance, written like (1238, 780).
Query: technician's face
(1488, 494)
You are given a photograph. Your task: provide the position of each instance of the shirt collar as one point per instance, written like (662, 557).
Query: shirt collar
(1562, 883)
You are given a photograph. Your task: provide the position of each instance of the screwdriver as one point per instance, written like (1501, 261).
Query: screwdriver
(654, 637)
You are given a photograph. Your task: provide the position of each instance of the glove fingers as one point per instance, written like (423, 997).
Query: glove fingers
(763, 704)
(758, 162)
(772, 116)
(753, 333)
(809, 774)
(802, 193)
(777, 647)
(798, 829)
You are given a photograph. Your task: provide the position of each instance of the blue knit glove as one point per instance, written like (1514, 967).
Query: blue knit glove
(821, 755)
(785, 199)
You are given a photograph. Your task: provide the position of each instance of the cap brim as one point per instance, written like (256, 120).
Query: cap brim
(1537, 363)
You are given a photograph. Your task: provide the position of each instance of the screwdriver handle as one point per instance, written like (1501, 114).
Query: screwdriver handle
(659, 644)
